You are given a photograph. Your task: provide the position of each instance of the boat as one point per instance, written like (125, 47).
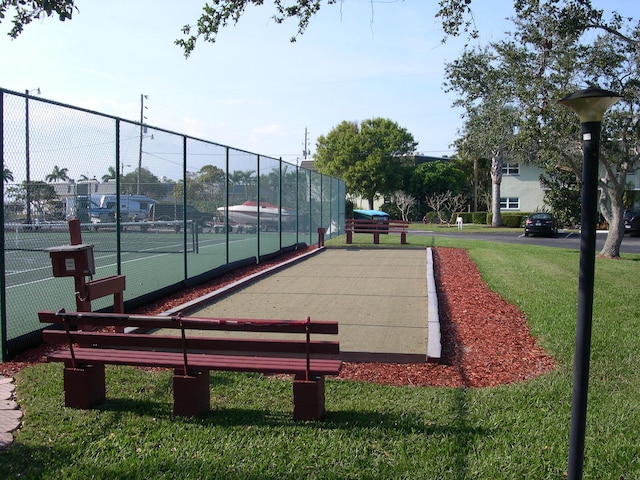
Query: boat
(247, 213)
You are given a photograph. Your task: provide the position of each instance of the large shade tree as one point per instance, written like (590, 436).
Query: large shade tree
(205, 188)
(435, 178)
(144, 184)
(370, 156)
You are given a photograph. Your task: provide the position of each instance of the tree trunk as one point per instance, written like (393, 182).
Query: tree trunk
(496, 180)
(475, 184)
(611, 247)
(370, 203)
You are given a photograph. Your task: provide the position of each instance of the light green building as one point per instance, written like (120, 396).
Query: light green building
(521, 190)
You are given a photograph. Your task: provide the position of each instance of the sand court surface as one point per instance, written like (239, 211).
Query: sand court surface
(378, 296)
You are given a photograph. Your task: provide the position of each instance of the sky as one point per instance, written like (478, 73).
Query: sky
(253, 89)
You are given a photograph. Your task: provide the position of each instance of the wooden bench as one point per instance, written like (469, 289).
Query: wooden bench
(175, 346)
(357, 225)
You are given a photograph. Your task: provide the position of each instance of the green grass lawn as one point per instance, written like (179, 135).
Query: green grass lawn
(370, 431)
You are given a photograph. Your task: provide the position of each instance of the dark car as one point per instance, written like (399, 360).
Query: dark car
(541, 223)
(632, 222)
(172, 212)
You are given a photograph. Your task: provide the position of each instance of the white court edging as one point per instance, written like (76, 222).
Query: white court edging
(434, 342)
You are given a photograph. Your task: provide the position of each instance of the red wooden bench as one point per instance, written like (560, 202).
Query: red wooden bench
(376, 227)
(191, 356)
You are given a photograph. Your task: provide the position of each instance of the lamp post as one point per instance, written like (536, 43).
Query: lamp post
(590, 105)
(27, 153)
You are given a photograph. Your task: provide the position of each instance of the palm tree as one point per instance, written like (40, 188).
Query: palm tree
(245, 178)
(7, 175)
(58, 174)
(110, 175)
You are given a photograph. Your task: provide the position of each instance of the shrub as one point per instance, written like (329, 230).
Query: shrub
(513, 220)
(480, 218)
(348, 208)
(432, 217)
(393, 210)
(467, 217)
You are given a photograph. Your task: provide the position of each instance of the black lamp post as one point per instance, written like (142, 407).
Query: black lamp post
(589, 105)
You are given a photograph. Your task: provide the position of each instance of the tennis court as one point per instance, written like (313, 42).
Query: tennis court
(27, 260)
(152, 256)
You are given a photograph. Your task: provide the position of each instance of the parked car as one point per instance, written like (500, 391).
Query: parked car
(541, 223)
(133, 208)
(632, 222)
(171, 212)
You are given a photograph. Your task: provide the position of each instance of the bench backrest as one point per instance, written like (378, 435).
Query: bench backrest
(73, 319)
(355, 223)
(177, 339)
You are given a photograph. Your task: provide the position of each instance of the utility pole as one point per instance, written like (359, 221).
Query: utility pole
(142, 119)
(27, 152)
(305, 152)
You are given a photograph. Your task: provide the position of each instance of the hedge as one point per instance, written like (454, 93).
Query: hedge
(509, 219)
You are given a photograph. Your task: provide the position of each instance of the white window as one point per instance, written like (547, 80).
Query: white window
(511, 168)
(510, 203)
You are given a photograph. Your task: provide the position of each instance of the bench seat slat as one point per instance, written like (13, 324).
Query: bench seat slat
(237, 363)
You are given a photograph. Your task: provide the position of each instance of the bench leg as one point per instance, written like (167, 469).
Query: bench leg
(349, 237)
(403, 238)
(84, 387)
(308, 399)
(191, 393)
(376, 238)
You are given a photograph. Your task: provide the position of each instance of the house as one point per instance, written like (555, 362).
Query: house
(521, 190)
(308, 165)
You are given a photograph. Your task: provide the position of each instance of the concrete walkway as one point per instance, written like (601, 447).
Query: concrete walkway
(10, 413)
(378, 296)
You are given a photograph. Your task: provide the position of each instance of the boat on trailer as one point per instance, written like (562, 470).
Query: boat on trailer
(248, 213)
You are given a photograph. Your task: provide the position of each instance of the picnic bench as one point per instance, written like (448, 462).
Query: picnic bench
(190, 346)
(376, 227)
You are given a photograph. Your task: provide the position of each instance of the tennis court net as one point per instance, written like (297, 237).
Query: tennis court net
(135, 237)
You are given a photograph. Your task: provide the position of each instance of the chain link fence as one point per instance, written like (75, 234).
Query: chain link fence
(163, 209)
